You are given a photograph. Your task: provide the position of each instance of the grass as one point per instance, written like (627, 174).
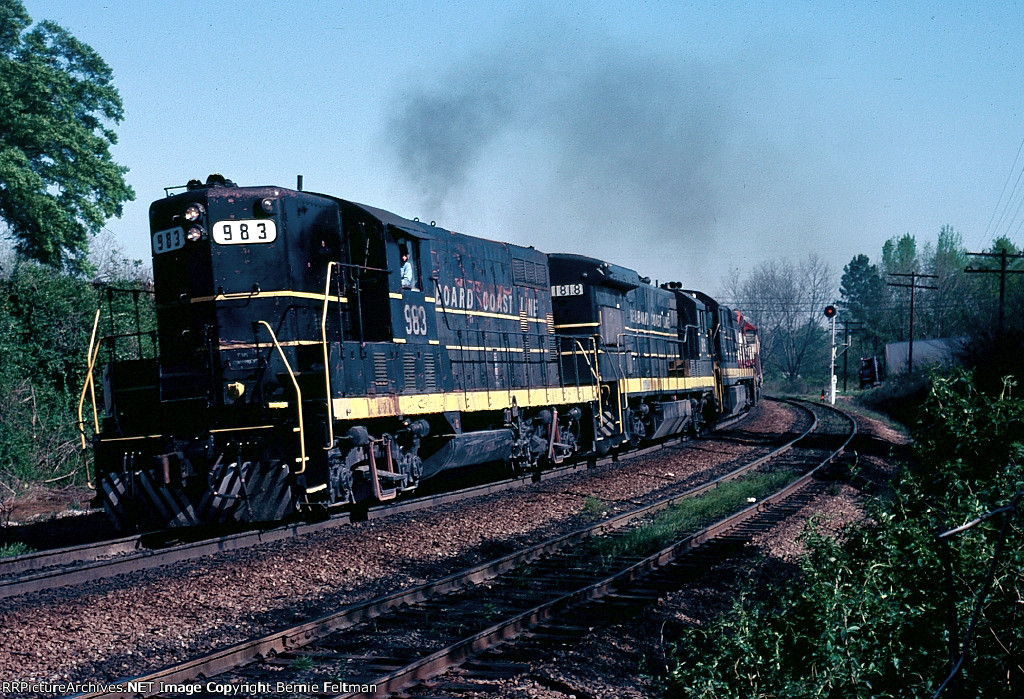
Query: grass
(691, 515)
(855, 406)
(15, 549)
(303, 662)
(594, 506)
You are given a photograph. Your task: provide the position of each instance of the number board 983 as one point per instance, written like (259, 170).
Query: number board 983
(167, 240)
(244, 232)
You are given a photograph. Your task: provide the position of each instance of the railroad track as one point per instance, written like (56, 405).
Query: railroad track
(623, 600)
(397, 640)
(75, 565)
(44, 570)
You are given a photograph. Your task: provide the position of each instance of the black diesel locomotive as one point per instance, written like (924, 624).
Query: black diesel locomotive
(312, 352)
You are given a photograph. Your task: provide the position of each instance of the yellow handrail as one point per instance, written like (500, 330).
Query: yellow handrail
(298, 395)
(93, 353)
(327, 363)
(595, 369)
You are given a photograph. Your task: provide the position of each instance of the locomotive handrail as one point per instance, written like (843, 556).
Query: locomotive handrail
(634, 348)
(96, 343)
(623, 395)
(595, 368)
(687, 327)
(583, 352)
(440, 297)
(90, 359)
(298, 396)
(636, 335)
(327, 364)
(364, 268)
(90, 385)
(233, 295)
(91, 381)
(111, 339)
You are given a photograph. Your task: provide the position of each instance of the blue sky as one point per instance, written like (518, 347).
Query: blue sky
(685, 141)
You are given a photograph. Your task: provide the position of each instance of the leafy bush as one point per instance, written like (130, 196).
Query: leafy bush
(880, 613)
(43, 333)
(991, 355)
(45, 323)
(900, 397)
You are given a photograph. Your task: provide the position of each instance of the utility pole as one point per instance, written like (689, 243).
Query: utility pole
(914, 276)
(1002, 272)
(848, 342)
(846, 355)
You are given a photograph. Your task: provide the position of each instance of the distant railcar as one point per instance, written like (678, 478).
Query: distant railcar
(869, 372)
(314, 352)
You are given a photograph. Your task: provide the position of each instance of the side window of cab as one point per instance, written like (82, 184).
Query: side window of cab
(408, 252)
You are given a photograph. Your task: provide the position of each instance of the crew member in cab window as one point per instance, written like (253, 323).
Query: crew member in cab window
(408, 271)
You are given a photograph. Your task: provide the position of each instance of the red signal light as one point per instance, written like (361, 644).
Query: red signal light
(830, 311)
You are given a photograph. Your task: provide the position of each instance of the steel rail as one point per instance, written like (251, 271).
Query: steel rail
(455, 654)
(39, 571)
(296, 637)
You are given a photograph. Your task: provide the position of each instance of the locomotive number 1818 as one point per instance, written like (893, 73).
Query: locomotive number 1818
(567, 290)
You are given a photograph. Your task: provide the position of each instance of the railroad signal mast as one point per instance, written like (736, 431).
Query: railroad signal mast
(830, 313)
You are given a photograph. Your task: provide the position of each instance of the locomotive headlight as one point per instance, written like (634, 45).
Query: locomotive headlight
(195, 233)
(194, 212)
(267, 205)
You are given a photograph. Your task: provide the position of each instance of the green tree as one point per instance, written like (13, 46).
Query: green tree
(45, 324)
(863, 296)
(899, 255)
(986, 286)
(951, 308)
(58, 181)
(1003, 242)
(993, 353)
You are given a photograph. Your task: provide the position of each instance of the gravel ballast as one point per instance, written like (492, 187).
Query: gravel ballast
(623, 660)
(125, 627)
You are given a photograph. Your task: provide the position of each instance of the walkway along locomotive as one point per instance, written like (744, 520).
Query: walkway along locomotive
(294, 368)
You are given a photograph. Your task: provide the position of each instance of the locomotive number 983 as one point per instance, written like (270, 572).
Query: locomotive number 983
(313, 352)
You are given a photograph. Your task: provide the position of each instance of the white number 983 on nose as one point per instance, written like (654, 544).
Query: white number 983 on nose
(244, 232)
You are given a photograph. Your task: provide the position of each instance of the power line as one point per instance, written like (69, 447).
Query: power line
(1002, 272)
(1013, 167)
(914, 276)
(1015, 214)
